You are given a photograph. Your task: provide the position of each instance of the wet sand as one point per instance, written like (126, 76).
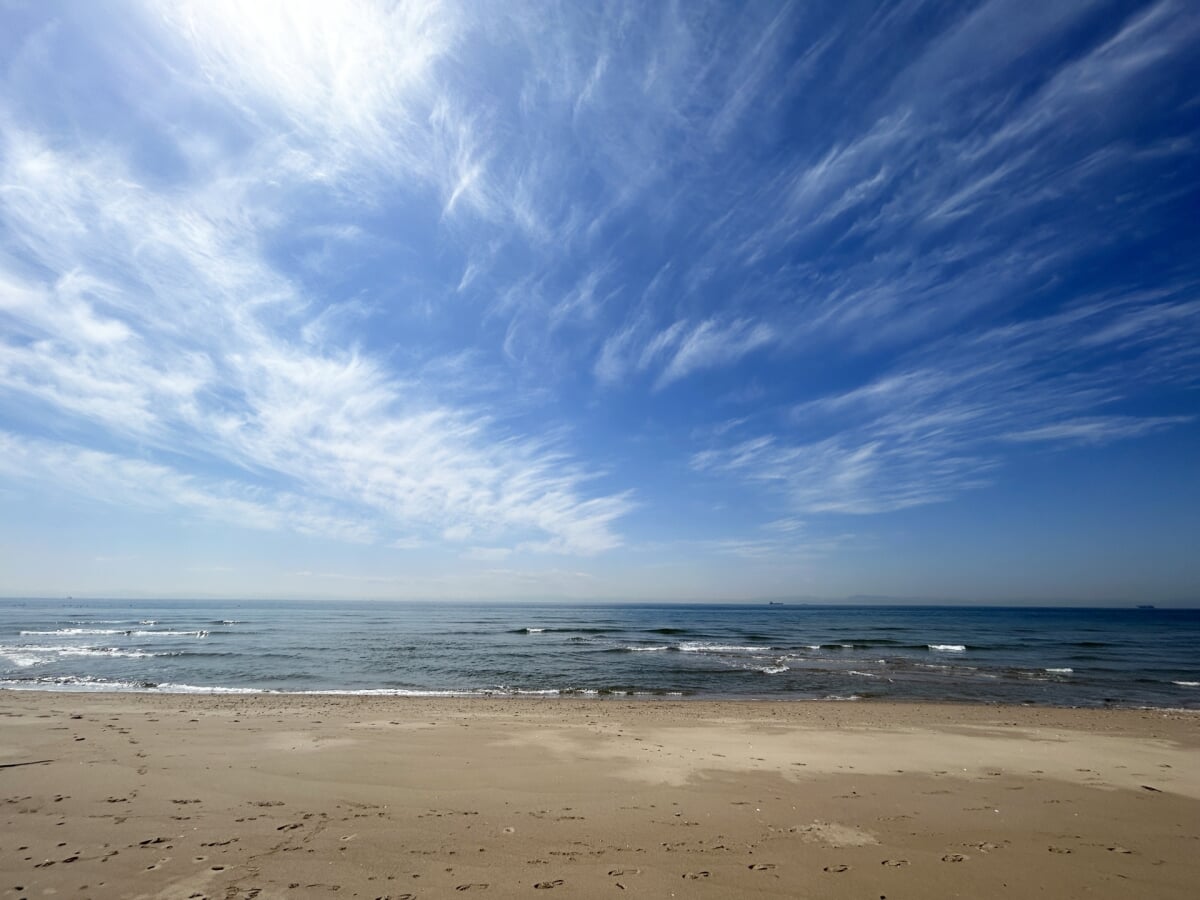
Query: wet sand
(133, 796)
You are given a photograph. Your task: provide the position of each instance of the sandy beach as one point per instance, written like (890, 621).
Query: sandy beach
(133, 796)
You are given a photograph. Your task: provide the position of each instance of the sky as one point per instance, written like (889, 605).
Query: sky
(614, 301)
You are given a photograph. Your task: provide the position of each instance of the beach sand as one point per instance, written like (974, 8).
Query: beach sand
(132, 796)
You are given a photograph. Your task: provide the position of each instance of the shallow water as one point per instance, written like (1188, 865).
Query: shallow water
(1072, 657)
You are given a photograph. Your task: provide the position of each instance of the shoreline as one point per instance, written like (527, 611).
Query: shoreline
(297, 795)
(583, 696)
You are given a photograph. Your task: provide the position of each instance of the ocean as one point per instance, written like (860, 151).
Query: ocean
(1044, 656)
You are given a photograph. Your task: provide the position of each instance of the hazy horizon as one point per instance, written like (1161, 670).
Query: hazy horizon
(672, 302)
(1185, 604)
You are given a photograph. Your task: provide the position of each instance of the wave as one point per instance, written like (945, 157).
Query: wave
(1187, 683)
(947, 648)
(645, 649)
(76, 631)
(1062, 671)
(685, 647)
(581, 630)
(19, 658)
(705, 647)
(35, 654)
(196, 634)
(75, 683)
(127, 632)
(96, 651)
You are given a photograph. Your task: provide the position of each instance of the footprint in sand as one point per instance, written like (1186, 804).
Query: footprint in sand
(1060, 849)
(547, 885)
(476, 886)
(840, 867)
(955, 857)
(894, 862)
(616, 872)
(695, 876)
(1119, 849)
(760, 867)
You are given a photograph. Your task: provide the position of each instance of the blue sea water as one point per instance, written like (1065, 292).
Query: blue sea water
(1066, 657)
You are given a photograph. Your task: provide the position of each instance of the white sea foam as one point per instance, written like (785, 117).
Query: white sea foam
(862, 674)
(1187, 683)
(387, 693)
(647, 649)
(947, 648)
(20, 656)
(77, 631)
(773, 670)
(83, 632)
(169, 688)
(106, 651)
(195, 634)
(1063, 671)
(89, 683)
(71, 683)
(78, 651)
(148, 622)
(703, 647)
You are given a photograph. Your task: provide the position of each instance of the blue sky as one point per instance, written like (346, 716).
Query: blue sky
(616, 301)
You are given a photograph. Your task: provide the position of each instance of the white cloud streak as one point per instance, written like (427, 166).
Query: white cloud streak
(159, 321)
(140, 484)
(943, 424)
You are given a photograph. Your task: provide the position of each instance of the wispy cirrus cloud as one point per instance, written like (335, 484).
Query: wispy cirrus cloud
(942, 421)
(161, 322)
(352, 90)
(680, 349)
(141, 484)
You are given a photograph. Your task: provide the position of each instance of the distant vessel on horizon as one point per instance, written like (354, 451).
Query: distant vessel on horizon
(1145, 606)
